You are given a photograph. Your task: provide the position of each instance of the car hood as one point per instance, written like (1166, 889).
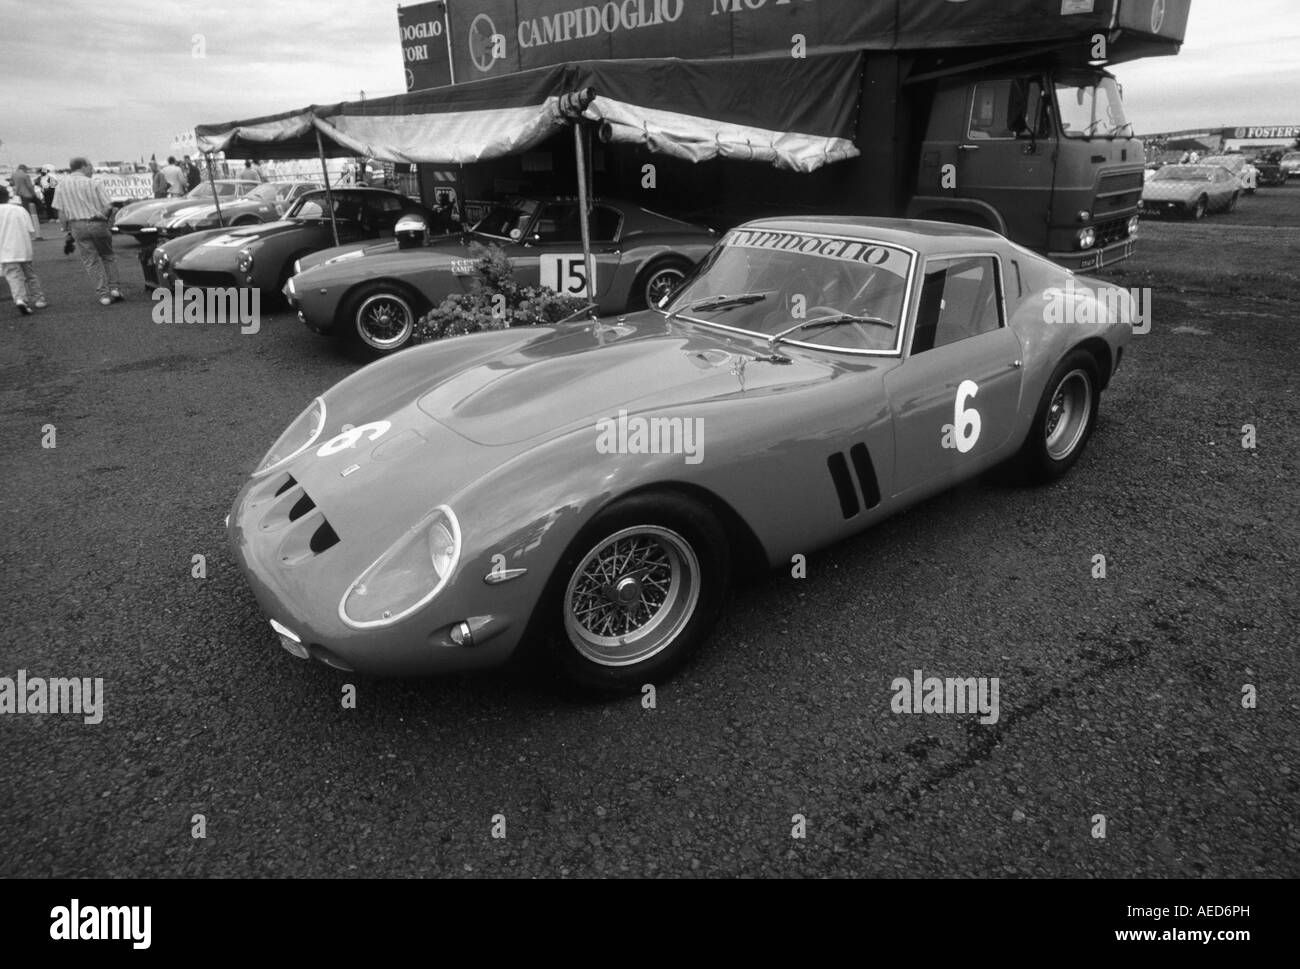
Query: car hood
(143, 212)
(581, 374)
(1170, 191)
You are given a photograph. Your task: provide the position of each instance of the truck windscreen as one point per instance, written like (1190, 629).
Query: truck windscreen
(1090, 106)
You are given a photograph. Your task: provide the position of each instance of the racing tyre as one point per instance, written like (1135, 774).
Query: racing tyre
(657, 281)
(1198, 211)
(636, 593)
(1064, 420)
(381, 317)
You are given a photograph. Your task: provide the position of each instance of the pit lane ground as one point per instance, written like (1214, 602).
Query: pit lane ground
(1119, 697)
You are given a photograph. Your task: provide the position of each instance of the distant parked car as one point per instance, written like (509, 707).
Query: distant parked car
(266, 203)
(1190, 190)
(144, 218)
(375, 294)
(1246, 174)
(263, 256)
(1290, 164)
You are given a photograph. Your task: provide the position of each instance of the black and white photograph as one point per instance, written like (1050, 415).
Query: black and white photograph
(649, 440)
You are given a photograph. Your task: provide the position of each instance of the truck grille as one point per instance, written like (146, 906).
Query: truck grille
(1115, 230)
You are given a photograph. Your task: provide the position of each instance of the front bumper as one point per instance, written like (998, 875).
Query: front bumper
(1164, 207)
(1088, 259)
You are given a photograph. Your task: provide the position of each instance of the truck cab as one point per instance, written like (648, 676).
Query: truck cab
(1043, 154)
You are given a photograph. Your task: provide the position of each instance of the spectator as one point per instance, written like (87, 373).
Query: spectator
(262, 174)
(175, 178)
(46, 184)
(159, 183)
(192, 175)
(249, 173)
(17, 230)
(83, 209)
(27, 196)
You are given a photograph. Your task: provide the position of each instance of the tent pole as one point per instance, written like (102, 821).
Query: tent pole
(329, 193)
(215, 201)
(581, 153)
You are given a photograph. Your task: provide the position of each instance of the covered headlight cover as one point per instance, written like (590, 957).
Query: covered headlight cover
(407, 576)
(410, 232)
(297, 437)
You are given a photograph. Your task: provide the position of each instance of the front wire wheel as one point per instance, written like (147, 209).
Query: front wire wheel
(631, 595)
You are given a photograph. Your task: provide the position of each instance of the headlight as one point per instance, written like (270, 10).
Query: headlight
(1133, 225)
(297, 437)
(244, 261)
(160, 258)
(407, 576)
(1087, 238)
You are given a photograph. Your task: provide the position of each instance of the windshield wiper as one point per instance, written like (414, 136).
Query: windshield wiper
(837, 320)
(719, 303)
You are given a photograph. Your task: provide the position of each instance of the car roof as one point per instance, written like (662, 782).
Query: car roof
(904, 232)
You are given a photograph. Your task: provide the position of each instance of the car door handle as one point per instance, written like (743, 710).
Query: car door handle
(968, 147)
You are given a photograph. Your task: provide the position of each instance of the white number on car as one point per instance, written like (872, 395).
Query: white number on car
(351, 436)
(565, 273)
(964, 430)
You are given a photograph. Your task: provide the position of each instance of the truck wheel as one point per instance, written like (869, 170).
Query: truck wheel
(656, 281)
(637, 591)
(1064, 420)
(381, 316)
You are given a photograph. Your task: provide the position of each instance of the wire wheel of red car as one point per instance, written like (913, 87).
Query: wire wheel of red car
(657, 282)
(642, 585)
(1202, 206)
(382, 317)
(1065, 418)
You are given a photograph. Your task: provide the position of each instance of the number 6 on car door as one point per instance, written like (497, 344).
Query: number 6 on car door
(964, 430)
(565, 273)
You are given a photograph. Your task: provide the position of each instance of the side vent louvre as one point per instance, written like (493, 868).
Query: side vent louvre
(303, 505)
(866, 472)
(843, 484)
(843, 480)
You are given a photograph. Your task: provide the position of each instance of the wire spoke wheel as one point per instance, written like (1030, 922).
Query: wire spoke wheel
(631, 595)
(661, 283)
(385, 321)
(1068, 414)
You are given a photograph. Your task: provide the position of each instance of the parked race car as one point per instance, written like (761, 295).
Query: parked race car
(263, 255)
(375, 294)
(1290, 164)
(144, 219)
(1190, 190)
(1242, 169)
(266, 203)
(585, 490)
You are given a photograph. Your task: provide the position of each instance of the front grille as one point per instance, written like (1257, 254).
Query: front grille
(1111, 232)
(302, 527)
(1118, 192)
(206, 280)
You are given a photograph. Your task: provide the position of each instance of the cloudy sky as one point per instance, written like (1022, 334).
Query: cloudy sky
(117, 79)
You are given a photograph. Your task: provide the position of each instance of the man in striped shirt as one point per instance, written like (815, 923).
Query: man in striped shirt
(84, 209)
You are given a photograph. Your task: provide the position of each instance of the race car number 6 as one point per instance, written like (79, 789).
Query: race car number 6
(351, 436)
(964, 430)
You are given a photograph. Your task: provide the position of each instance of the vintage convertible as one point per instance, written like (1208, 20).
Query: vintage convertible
(263, 255)
(583, 492)
(375, 294)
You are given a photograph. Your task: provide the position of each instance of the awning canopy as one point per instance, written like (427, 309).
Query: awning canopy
(750, 108)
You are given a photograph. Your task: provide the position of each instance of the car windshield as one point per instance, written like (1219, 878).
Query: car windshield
(821, 290)
(502, 221)
(1090, 106)
(316, 206)
(1184, 173)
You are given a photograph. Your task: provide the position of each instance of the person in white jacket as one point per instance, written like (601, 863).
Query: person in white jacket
(17, 230)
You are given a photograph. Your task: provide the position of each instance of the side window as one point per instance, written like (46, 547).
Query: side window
(1003, 109)
(959, 300)
(605, 224)
(557, 222)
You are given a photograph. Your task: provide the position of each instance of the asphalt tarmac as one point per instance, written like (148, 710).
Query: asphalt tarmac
(1121, 699)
